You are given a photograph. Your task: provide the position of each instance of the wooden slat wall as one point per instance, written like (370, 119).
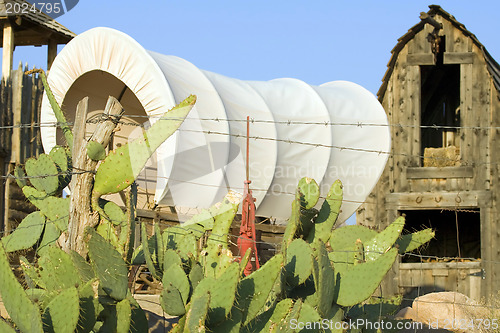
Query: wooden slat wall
(419, 279)
(20, 104)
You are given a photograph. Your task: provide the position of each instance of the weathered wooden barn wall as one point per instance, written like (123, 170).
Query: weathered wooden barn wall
(406, 185)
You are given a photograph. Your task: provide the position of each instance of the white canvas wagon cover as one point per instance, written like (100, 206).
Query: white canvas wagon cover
(337, 130)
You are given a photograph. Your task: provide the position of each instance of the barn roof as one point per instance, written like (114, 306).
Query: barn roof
(493, 66)
(34, 27)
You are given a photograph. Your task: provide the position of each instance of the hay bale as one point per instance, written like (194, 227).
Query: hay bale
(442, 157)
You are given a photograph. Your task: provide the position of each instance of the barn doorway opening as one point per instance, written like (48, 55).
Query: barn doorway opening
(458, 234)
(440, 104)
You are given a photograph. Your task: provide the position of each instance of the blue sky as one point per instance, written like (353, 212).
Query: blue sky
(315, 41)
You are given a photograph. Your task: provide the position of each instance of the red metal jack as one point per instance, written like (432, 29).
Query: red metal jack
(247, 229)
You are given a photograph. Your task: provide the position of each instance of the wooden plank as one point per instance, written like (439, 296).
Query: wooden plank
(168, 216)
(51, 52)
(419, 59)
(487, 250)
(468, 144)
(26, 112)
(271, 228)
(439, 173)
(413, 116)
(8, 49)
(440, 272)
(429, 200)
(400, 134)
(17, 88)
(450, 58)
(475, 289)
(441, 265)
(451, 281)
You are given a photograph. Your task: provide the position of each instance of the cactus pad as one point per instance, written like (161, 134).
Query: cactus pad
(61, 314)
(254, 289)
(299, 262)
(328, 214)
(196, 273)
(197, 314)
(384, 240)
(281, 311)
(62, 158)
(345, 237)
(61, 120)
(20, 308)
(309, 192)
(96, 151)
(175, 276)
(113, 212)
(43, 173)
(171, 301)
(88, 294)
(109, 266)
(54, 208)
(50, 235)
(222, 294)
(410, 242)
(122, 166)
(359, 283)
(325, 281)
(123, 315)
(6, 328)
(27, 233)
(108, 232)
(149, 251)
(57, 270)
(20, 175)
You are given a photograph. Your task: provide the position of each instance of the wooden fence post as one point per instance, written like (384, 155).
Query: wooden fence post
(80, 215)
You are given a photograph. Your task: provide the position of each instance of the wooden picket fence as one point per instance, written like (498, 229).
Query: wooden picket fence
(20, 104)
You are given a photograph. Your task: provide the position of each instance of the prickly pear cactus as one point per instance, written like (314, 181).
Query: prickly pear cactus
(67, 292)
(321, 273)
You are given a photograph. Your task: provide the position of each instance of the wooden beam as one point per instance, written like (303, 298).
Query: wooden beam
(8, 49)
(450, 58)
(439, 173)
(418, 59)
(441, 265)
(51, 53)
(17, 94)
(436, 200)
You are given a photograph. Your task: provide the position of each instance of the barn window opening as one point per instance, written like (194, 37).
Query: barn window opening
(440, 109)
(446, 243)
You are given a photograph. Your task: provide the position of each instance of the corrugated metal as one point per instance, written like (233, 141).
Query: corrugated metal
(493, 66)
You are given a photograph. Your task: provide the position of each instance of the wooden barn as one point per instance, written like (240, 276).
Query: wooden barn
(441, 93)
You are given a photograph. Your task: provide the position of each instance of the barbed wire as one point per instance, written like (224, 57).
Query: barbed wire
(320, 123)
(391, 153)
(101, 117)
(236, 188)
